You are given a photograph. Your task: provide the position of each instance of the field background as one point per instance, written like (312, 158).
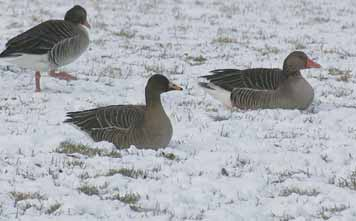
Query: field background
(220, 165)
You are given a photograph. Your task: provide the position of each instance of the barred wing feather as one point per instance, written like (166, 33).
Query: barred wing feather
(40, 39)
(118, 118)
(256, 78)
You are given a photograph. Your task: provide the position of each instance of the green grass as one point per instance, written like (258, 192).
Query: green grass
(89, 190)
(19, 196)
(302, 192)
(349, 182)
(169, 156)
(127, 172)
(341, 75)
(71, 148)
(198, 60)
(125, 34)
(128, 198)
(224, 40)
(53, 208)
(75, 163)
(157, 69)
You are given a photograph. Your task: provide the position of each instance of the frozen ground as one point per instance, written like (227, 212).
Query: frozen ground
(220, 165)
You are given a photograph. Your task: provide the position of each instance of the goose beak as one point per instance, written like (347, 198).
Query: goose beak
(174, 87)
(87, 24)
(312, 64)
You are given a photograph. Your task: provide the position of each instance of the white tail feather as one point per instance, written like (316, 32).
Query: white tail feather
(219, 93)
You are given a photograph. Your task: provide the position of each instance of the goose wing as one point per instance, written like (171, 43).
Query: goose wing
(107, 120)
(256, 78)
(40, 39)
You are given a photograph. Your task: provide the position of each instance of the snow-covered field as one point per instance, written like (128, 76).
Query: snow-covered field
(220, 165)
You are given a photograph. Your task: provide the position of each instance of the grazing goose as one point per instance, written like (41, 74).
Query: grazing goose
(145, 126)
(264, 88)
(49, 45)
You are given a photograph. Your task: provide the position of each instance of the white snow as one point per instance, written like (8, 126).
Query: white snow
(230, 165)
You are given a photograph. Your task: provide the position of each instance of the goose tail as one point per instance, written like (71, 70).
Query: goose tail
(217, 92)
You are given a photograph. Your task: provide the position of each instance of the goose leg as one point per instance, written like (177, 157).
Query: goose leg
(37, 80)
(62, 75)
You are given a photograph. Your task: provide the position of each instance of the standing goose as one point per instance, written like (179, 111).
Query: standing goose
(49, 45)
(145, 126)
(264, 88)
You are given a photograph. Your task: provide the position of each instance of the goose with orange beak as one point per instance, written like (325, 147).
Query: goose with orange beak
(144, 126)
(50, 45)
(264, 88)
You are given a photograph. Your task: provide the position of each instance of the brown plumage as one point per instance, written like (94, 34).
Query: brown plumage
(264, 88)
(145, 126)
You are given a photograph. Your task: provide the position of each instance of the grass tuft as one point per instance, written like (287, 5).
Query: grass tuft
(53, 208)
(199, 60)
(125, 34)
(169, 156)
(127, 172)
(89, 190)
(327, 212)
(341, 75)
(19, 196)
(71, 148)
(128, 198)
(302, 192)
(224, 40)
(349, 182)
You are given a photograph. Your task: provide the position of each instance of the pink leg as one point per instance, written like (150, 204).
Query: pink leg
(37, 79)
(62, 75)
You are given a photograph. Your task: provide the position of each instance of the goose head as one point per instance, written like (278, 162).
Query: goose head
(77, 15)
(297, 61)
(159, 84)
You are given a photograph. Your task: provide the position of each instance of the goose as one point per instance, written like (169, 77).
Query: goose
(49, 45)
(262, 88)
(144, 126)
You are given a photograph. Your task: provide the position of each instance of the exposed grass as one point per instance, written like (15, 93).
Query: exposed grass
(287, 174)
(223, 132)
(71, 148)
(346, 77)
(198, 60)
(169, 156)
(298, 44)
(156, 69)
(224, 40)
(125, 34)
(89, 190)
(349, 182)
(19, 196)
(84, 176)
(284, 217)
(220, 117)
(127, 172)
(267, 50)
(224, 172)
(327, 212)
(128, 198)
(75, 163)
(303, 192)
(53, 208)
(341, 75)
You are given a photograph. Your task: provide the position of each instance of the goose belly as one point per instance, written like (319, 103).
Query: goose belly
(31, 61)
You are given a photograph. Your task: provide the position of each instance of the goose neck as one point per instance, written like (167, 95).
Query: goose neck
(153, 99)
